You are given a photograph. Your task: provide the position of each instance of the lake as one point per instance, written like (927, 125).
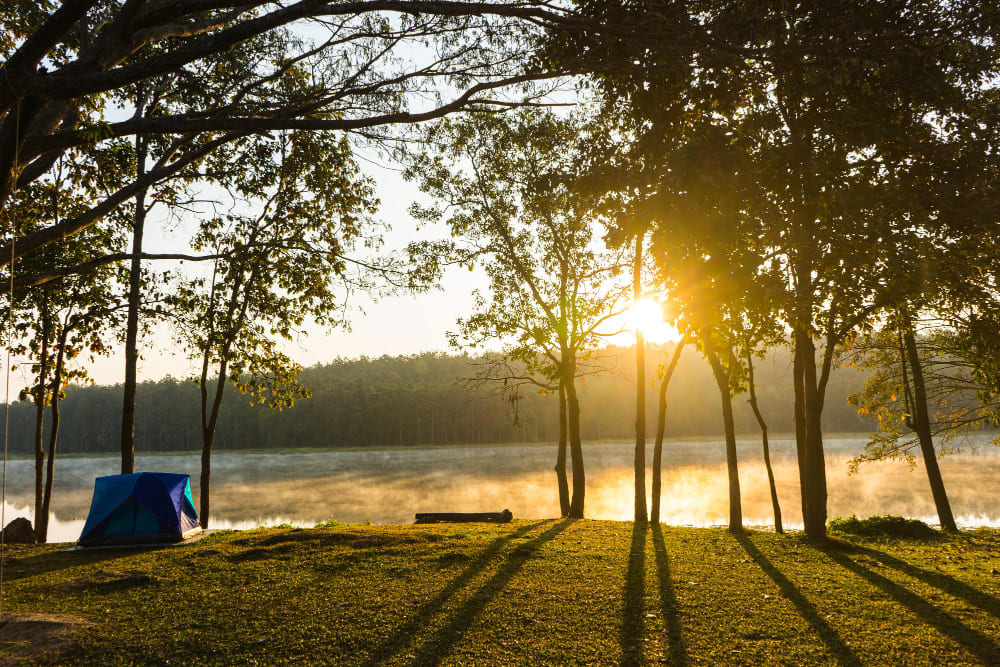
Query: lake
(390, 485)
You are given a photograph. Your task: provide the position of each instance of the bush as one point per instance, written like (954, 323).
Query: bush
(882, 526)
(333, 523)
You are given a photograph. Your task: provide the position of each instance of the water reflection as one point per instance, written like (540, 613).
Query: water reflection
(389, 486)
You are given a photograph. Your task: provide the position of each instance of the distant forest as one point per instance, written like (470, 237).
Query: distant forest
(422, 400)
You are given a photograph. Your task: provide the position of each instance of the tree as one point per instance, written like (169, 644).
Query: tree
(794, 95)
(504, 186)
(661, 425)
(324, 66)
(279, 264)
(65, 316)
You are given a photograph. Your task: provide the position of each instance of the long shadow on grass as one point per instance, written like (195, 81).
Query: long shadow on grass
(948, 584)
(635, 579)
(405, 632)
(441, 645)
(25, 567)
(840, 650)
(982, 646)
(668, 601)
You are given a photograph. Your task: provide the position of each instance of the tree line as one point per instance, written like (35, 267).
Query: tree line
(414, 400)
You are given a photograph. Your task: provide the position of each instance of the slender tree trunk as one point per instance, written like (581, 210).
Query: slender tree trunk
(208, 440)
(42, 520)
(815, 460)
(732, 464)
(564, 502)
(661, 427)
(205, 478)
(639, 462)
(575, 442)
(132, 322)
(778, 528)
(800, 425)
(922, 425)
(40, 396)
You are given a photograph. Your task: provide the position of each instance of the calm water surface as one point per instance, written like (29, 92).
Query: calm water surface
(390, 485)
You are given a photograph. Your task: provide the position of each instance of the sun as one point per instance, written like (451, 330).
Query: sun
(646, 315)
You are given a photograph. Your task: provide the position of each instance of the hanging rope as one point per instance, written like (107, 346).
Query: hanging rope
(10, 344)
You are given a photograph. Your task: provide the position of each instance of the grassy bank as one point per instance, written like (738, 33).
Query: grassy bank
(552, 592)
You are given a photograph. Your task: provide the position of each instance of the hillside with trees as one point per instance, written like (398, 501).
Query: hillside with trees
(423, 400)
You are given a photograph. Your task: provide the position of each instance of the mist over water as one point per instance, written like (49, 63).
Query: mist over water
(390, 485)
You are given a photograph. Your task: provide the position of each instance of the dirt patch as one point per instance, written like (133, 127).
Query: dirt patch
(27, 637)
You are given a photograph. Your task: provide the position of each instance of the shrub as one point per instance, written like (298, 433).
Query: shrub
(882, 526)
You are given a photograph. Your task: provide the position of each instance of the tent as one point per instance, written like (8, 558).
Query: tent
(139, 508)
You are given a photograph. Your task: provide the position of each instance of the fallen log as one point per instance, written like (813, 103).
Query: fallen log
(464, 517)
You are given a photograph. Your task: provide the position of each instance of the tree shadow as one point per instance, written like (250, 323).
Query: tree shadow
(635, 580)
(26, 567)
(979, 644)
(668, 601)
(946, 583)
(841, 651)
(405, 633)
(445, 639)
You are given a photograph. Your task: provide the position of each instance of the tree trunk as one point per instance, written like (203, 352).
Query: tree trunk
(205, 479)
(639, 463)
(564, 503)
(778, 528)
(40, 395)
(922, 425)
(575, 443)
(42, 519)
(661, 424)
(208, 442)
(132, 323)
(725, 393)
(800, 425)
(815, 460)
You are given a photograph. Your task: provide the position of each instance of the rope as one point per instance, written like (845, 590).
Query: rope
(10, 345)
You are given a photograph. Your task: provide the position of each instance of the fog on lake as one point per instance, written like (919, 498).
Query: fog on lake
(390, 485)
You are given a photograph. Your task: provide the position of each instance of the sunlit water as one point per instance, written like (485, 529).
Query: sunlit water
(390, 485)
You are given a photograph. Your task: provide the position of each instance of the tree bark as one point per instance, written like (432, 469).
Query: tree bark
(42, 520)
(798, 385)
(661, 426)
(725, 393)
(40, 396)
(922, 425)
(563, 480)
(575, 443)
(815, 460)
(778, 528)
(132, 324)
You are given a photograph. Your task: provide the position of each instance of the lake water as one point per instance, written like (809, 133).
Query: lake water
(390, 485)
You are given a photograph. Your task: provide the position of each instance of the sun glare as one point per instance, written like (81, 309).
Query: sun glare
(646, 316)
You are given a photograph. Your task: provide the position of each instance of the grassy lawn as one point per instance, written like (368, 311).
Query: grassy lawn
(553, 592)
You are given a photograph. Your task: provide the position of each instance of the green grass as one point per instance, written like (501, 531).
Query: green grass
(530, 592)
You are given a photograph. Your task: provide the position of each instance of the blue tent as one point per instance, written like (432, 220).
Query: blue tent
(139, 508)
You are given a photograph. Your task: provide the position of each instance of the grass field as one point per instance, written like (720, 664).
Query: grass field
(552, 592)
